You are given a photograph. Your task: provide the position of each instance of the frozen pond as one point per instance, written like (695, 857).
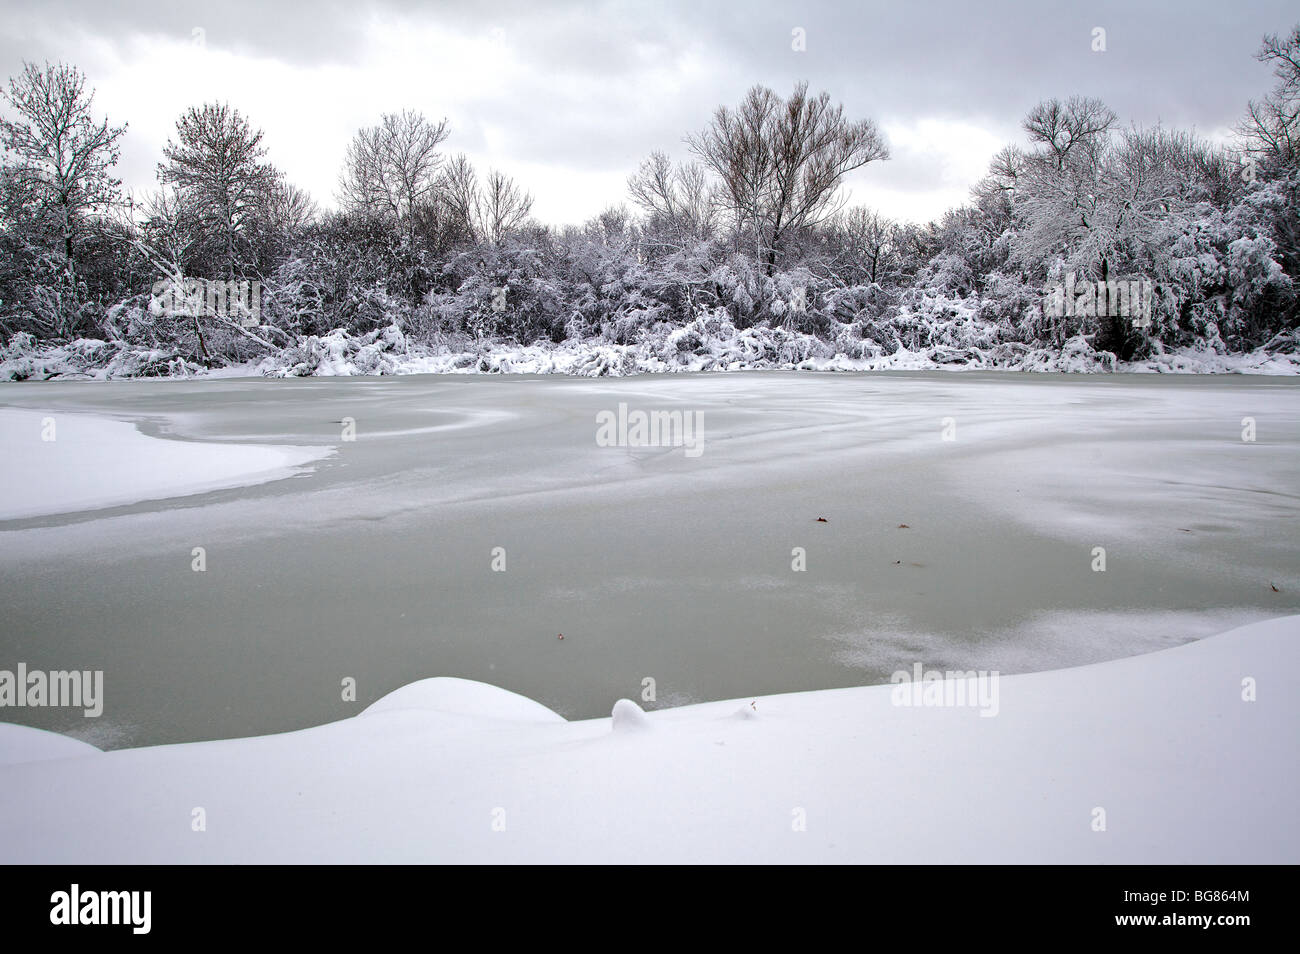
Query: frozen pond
(379, 561)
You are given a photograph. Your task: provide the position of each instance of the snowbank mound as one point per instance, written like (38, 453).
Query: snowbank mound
(1181, 756)
(463, 697)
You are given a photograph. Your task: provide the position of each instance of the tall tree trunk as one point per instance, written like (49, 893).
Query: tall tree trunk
(67, 321)
(230, 242)
(771, 246)
(198, 331)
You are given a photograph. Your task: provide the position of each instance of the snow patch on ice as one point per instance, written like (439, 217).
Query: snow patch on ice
(1072, 638)
(93, 462)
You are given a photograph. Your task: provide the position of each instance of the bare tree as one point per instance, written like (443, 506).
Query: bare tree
(1068, 130)
(291, 209)
(867, 244)
(678, 199)
(611, 227)
(780, 163)
(503, 206)
(458, 193)
(995, 195)
(216, 163)
(391, 169)
(165, 232)
(58, 155)
(1272, 125)
(1004, 179)
(487, 211)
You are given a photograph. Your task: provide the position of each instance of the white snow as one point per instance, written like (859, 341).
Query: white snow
(20, 743)
(713, 343)
(465, 697)
(92, 462)
(708, 343)
(628, 716)
(1184, 768)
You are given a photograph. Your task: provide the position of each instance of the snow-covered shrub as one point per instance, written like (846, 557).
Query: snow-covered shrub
(339, 353)
(22, 359)
(1260, 287)
(295, 298)
(947, 273)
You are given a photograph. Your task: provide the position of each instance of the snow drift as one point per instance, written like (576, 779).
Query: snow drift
(1182, 756)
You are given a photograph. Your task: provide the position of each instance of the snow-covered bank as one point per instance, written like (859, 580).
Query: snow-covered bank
(706, 344)
(63, 463)
(20, 743)
(1163, 751)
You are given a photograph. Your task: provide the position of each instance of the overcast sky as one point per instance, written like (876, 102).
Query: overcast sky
(569, 97)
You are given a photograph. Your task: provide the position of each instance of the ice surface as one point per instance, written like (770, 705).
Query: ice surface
(379, 565)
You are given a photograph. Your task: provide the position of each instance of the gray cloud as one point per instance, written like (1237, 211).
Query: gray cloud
(607, 82)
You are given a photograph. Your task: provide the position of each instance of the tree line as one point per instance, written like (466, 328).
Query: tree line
(753, 224)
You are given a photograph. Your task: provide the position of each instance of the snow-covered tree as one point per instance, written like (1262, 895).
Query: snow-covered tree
(57, 162)
(216, 162)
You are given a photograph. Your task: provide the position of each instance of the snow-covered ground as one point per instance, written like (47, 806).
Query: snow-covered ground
(1187, 755)
(68, 462)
